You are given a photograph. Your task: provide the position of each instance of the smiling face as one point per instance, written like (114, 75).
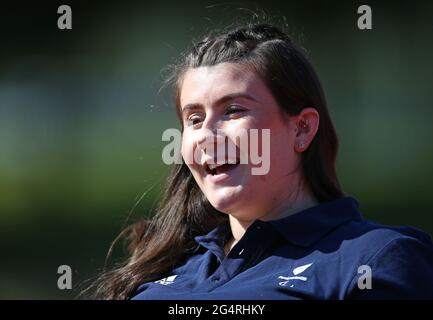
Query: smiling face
(230, 99)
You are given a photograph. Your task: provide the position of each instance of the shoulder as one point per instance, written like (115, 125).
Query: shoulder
(371, 237)
(400, 260)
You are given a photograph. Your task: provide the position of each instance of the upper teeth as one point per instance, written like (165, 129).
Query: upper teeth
(213, 166)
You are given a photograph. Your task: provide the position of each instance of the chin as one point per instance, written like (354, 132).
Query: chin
(225, 200)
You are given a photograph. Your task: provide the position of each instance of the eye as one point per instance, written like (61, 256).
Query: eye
(233, 109)
(193, 120)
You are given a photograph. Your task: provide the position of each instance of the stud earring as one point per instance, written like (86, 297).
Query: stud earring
(301, 145)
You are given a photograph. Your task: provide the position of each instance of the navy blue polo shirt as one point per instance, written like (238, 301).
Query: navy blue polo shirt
(324, 252)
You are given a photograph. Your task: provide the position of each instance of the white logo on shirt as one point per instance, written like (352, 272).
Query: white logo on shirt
(167, 281)
(296, 271)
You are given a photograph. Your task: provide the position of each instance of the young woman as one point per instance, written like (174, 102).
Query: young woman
(223, 232)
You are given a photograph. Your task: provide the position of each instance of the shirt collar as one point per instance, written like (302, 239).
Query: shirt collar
(216, 236)
(310, 225)
(303, 228)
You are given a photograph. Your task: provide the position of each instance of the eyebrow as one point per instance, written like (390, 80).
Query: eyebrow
(224, 99)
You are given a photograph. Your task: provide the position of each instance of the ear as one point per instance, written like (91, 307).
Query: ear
(306, 126)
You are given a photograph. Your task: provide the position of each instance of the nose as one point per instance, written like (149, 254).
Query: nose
(208, 131)
(201, 142)
(201, 136)
(209, 144)
(205, 137)
(211, 122)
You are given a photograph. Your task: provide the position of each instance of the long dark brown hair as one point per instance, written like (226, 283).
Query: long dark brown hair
(159, 244)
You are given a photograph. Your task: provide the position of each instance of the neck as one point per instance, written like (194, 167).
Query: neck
(292, 205)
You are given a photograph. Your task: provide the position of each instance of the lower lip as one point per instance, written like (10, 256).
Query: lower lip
(221, 176)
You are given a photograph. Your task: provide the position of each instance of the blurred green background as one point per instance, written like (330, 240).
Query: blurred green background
(81, 118)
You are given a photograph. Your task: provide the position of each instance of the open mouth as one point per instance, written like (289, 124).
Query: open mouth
(216, 169)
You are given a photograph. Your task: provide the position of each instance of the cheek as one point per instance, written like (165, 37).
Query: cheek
(280, 149)
(277, 150)
(187, 150)
(184, 146)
